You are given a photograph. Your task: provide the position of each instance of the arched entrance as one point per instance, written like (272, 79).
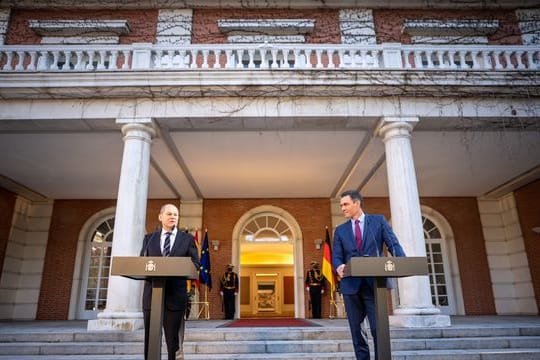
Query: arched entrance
(442, 263)
(90, 279)
(267, 250)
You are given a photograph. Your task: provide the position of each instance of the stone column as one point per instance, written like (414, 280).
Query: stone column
(123, 311)
(415, 307)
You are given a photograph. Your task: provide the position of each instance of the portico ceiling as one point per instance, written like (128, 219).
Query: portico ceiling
(261, 157)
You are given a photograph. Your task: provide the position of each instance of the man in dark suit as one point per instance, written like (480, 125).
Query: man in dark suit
(361, 235)
(169, 242)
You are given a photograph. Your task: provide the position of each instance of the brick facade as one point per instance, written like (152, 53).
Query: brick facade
(528, 205)
(205, 29)
(7, 206)
(67, 220)
(463, 216)
(142, 23)
(221, 215)
(389, 23)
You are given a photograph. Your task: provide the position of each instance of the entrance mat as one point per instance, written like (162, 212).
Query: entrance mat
(270, 323)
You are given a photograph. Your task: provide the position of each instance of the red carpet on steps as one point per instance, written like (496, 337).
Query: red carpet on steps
(270, 323)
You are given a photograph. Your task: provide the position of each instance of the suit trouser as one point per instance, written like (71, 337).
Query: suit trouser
(358, 306)
(173, 329)
(315, 296)
(229, 303)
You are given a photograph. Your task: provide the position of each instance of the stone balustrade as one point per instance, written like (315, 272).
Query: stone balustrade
(87, 58)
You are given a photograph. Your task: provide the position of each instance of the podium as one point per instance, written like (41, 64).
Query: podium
(156, 268)
(382, 268)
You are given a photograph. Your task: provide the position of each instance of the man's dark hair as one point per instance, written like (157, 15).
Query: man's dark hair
(355, 196)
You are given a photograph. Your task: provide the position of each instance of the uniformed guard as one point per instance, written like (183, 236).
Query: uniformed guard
(228, 288)
(315, 287)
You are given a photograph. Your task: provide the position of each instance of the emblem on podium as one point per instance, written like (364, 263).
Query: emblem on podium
(150, 266)
(389, 266)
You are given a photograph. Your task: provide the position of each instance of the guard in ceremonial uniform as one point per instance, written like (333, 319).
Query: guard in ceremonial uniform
(228, 288)
(315, 287)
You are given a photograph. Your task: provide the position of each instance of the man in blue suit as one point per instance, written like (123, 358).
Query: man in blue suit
(361, 235)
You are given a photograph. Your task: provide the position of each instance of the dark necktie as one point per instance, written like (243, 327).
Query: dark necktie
(167, 245)
(358, 235)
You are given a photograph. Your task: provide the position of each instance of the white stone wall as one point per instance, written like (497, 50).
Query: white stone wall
(23, 264)
(4, 20)
(191, 213)
(529, 24)
(508, 265)
(357, 26)
(174, 27)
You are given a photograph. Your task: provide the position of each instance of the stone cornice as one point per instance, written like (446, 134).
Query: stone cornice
(269, 4)
(268, 83)
(79, 27)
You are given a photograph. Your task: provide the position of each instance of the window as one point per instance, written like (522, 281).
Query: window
(435, 256)
(99, 264)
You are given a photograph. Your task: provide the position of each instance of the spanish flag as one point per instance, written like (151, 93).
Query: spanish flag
(327, 271)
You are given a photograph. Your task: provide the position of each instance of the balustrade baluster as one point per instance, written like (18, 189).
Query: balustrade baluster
(204, 64)
(462, 63)
(318, 59)
(78, 64)
(55, 60)
(519, 60)
(67, 60)
(158, 59)
(127, 59)
(113, 60)
(20, 61)
(251, 59)
(229, 60)
(440, 58)
(429, 55)
(486, 60)
(90, 64)
(474, 59)
(530, 59)
(9, 61)
(418, 63)
(497, 57)
(507, 60)
(102, 59)
(194, 54)
(32, 64)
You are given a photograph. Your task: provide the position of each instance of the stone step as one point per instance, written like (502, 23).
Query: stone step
(478, 354)
(225, 334)
(265, 346)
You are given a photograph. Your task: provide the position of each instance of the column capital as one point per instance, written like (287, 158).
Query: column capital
(396, 126)
(137, 128)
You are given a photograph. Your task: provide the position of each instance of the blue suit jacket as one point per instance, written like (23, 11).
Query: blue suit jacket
(376, 232)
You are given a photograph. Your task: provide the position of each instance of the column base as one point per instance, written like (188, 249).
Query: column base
(414, 321)
(117, 321)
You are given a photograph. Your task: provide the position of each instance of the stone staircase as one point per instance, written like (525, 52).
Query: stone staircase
(486, 342)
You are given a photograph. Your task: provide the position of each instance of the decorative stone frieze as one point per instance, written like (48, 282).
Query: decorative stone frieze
(465, 27)
(174, 27)
(277, 39)
(266, 30)
(529, 24)
(450, 31)
(80, 31)
(357, 26)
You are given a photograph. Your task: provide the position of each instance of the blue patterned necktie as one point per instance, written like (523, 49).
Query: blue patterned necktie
(167, 245)
(358, 235)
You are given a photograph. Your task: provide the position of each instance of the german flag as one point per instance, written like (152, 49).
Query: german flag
(327, 270)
